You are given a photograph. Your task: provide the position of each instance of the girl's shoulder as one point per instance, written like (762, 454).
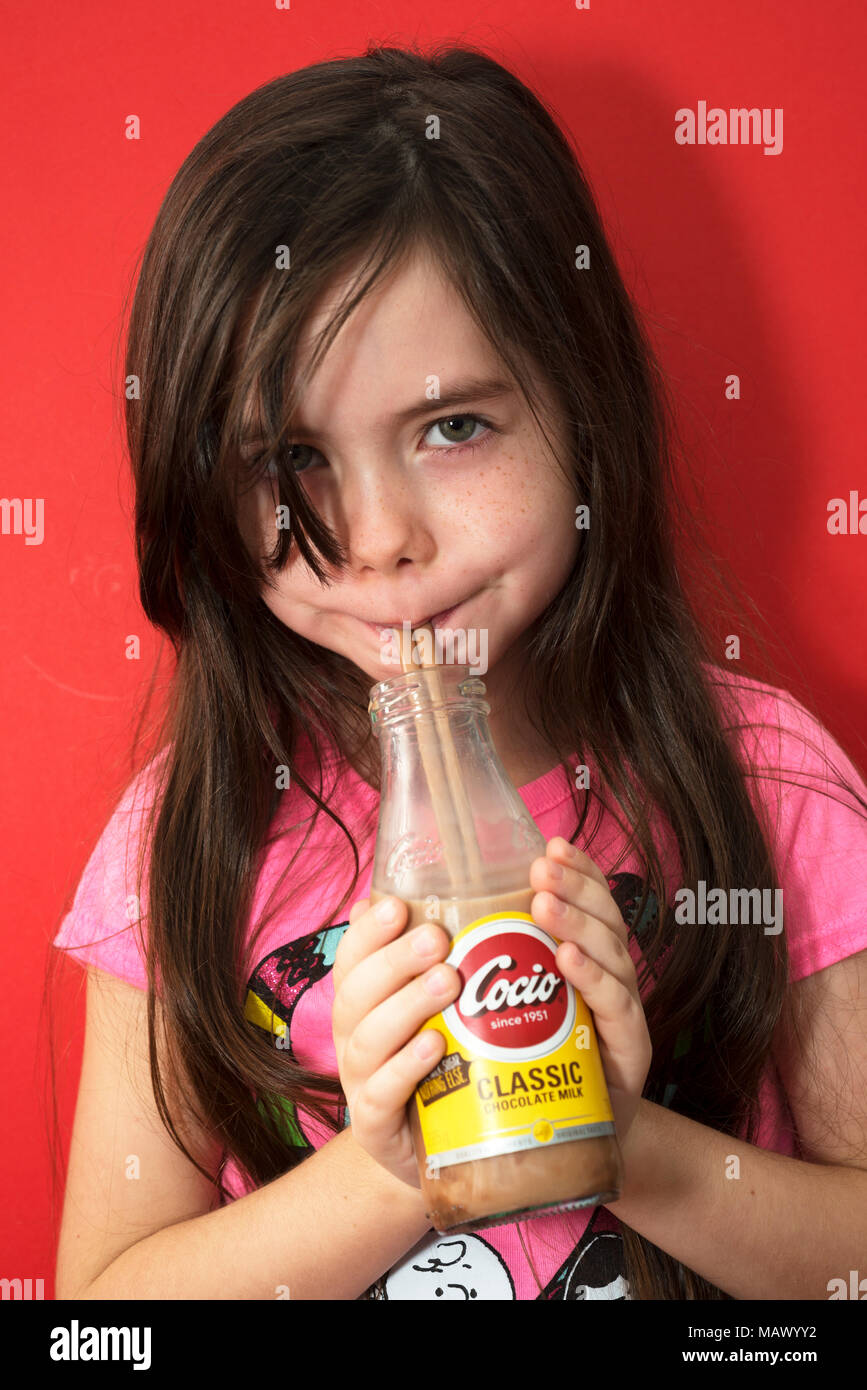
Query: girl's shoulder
(813, 800)
(748, 697)
(103, 927)
(773, 727)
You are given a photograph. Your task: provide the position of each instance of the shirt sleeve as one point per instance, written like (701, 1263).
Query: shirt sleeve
(105, 926)
(817, 827)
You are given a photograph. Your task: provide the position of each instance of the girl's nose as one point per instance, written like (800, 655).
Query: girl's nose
(383, 520)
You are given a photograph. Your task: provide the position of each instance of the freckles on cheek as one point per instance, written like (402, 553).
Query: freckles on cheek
(502, 501)
(525, 505)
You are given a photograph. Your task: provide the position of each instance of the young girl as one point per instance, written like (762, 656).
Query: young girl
(381, 367)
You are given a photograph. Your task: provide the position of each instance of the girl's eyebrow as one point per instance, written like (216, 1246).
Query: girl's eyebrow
(466, 392)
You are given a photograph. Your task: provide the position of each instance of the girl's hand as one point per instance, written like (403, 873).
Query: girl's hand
(602, 971)
(382, 996)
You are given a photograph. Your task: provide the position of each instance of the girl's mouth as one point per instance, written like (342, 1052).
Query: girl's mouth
(437, 620)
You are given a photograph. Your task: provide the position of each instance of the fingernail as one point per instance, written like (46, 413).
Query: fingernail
(386, 911)
(555, 870)
(425, 1046)
(439, 982)
(557, 905)
(424, 941)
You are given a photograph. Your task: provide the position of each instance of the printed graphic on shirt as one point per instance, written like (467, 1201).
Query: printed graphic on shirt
(594, 1270)
(447, 1267)
(274, 989)
(627, 891)
(468, 1267)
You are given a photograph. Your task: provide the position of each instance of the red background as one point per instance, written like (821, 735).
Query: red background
(743, 262)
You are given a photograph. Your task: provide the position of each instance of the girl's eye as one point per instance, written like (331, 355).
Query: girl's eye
(252, 450)
(301, 456)
(457, 431)
(461, 426)
(297, 456)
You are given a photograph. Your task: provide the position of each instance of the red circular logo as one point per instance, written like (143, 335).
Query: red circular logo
(513, 995)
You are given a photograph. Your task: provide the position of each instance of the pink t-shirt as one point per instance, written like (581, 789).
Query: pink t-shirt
(821, 848)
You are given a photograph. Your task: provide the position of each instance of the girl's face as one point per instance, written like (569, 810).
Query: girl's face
(428, 465)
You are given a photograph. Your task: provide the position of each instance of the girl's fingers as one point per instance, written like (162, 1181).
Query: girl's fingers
(618, 1017)
(379, 1106)
(376, 977)
(581, 890)
(369, 929)
(380, 1033)
(561, 850)
(594, 938)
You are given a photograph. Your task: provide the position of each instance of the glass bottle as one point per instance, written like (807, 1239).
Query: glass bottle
(515, 1120)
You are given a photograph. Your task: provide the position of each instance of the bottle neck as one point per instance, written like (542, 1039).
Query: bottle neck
(404, 697)
(451, 823)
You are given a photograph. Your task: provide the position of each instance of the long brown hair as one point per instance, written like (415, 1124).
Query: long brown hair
(342, 163)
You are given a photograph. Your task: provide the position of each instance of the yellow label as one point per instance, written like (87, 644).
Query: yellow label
(521, 1067)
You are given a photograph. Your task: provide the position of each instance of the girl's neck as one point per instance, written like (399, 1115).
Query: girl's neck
(525, 753)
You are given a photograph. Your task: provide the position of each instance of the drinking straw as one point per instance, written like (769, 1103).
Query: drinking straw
(442, 768)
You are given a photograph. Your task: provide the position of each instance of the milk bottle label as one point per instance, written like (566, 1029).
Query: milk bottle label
(521, 1068)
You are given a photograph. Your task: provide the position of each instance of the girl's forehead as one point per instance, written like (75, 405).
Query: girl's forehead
(412, 318)
(410, 342)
